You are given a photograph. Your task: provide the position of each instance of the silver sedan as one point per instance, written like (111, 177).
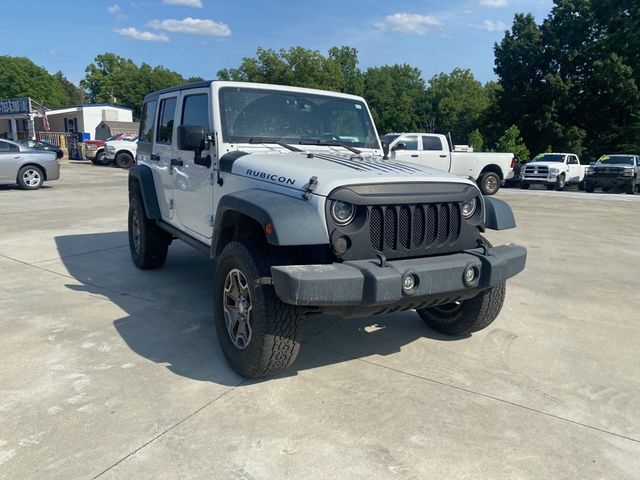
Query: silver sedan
(27, 167)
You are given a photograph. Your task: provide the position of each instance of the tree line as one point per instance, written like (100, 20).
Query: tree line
(570, 83)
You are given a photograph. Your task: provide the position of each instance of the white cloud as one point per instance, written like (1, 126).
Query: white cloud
(192, 26)
(114, 8)
(143, 36)
(186, 3)
(493, 26)
(494, 3)
(408, 23)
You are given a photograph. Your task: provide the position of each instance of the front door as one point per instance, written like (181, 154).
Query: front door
(192, 183)
(409, 151)
(9, 160)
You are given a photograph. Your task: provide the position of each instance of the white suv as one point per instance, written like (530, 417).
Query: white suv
(288, 190)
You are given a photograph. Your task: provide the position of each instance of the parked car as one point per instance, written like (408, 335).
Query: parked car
(488, 170)
(94, 149)
(611, 171)
(25, 166)
(122, 152)
(554, 170)
(40, 145)
(517, 175)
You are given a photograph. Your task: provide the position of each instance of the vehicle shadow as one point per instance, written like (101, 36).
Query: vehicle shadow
(168, 312)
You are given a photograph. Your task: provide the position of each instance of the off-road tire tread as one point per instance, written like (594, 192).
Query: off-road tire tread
(120, 164)
(276, 339)
(155, 241)
(482, 185)
(476, 314)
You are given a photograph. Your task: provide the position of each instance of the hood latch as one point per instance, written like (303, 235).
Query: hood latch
(313, 184)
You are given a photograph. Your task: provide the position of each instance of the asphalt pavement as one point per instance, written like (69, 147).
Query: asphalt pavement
(112, 372)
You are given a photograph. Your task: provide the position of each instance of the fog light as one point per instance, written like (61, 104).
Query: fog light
(469, 275)
(409, 283)
(340, 245)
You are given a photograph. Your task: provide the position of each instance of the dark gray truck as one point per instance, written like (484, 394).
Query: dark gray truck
(614, 171)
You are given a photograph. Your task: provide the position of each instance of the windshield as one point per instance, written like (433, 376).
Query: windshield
(549, 157)
(249, 115)
(617, 160)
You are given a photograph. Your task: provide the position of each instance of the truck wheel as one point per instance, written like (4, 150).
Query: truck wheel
(100, 159)
(589, 187)
(489, 183)
(630, 189)
(524, 186)
(259, 334)
(147, 242)
(466, 316)
(581, 186)
(550, 187)
(560, 182)
(124, 160)
(606, 189)
(30, 177)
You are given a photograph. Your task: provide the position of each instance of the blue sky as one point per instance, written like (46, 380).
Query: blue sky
(198, 37)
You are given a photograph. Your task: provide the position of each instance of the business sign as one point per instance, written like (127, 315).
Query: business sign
(15, 106)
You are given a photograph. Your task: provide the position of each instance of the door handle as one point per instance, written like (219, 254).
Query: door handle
(414, 156)
(17, 157)
(176, 163)
(443, 156)
(155, 157)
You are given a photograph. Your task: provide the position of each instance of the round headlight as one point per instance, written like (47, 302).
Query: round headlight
(342, 213)
(469, 208)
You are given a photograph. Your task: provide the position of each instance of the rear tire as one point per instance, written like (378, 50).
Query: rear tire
(589, 187)
(124, 160)
(489, 183)
(466, 316)
(148, 243)
(258, 333)
(30, 177)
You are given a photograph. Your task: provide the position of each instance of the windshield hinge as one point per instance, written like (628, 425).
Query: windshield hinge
(210, 220)
(212, 178)
(313, 184)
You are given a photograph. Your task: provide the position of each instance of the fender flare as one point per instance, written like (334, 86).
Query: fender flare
(143, 176)
(498, 214)
(295, 221)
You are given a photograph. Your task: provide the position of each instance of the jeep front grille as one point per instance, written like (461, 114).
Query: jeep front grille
(414, 227)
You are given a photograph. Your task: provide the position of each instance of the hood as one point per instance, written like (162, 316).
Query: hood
(121, 143)
(294, 170)
(545, 164)
(602, 166)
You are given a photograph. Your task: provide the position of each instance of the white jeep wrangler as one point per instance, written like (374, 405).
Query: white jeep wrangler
(288, 191)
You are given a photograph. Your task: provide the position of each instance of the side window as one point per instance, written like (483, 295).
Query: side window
(195, 111)
(431, 143)
(165, 120)
(8, 147)
(411, 142)
(146, 124)
(574, 160)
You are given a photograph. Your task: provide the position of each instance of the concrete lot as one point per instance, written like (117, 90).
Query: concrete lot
(112, 372)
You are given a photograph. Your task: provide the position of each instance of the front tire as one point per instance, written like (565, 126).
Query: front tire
(489, 183)
(258, 333)
(100, 159)
(630, 189)
(148, 243)
(560, 182)
(30, 177)
(524, 186)
(589, 187)
(466, 316)
(124, 160)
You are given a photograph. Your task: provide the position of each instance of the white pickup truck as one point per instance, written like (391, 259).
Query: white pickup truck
(488, 170)
(554, 170)
(122, 152)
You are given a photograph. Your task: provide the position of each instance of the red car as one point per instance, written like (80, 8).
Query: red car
(94, 149)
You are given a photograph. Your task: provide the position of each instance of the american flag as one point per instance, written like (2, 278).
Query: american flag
(45, 120)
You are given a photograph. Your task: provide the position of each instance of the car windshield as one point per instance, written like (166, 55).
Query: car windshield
(616, 159)
(249, 115)
(549, 157)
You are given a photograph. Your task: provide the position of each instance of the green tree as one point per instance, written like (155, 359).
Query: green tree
(458, 101)
(347, 59)
(20, 77)
(396, 97)
(512, 142)
(476, 140)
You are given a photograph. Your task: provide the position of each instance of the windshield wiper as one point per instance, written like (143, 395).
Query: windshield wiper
(274, 141)
(331, 143)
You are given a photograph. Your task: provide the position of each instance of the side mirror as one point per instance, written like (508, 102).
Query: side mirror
(592, 163)
(385, 148)
(191, 137)
(399, 146)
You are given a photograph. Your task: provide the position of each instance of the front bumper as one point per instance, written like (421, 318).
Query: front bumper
(547, 179)
(366, 283)
(613, 181)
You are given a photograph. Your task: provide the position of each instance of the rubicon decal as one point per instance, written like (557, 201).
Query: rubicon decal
(271, 176)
